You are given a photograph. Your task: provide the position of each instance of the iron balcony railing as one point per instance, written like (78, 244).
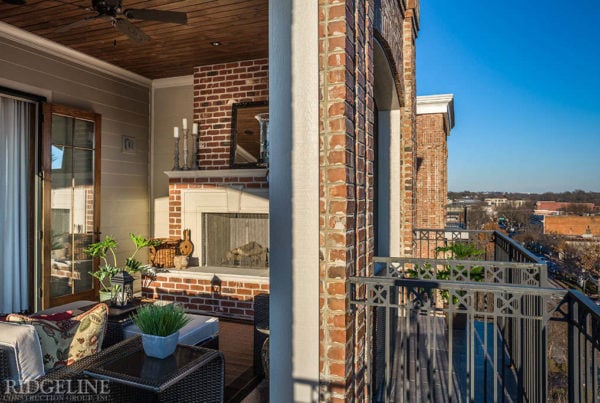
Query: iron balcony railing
(476, 330)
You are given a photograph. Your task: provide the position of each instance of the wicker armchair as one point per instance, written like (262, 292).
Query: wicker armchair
(7, 366)
(261, 324)
(204, 384)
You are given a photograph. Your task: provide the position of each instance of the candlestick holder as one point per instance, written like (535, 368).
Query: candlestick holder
(194, 164)
(186, 156)
(263, 122)
(176, 166)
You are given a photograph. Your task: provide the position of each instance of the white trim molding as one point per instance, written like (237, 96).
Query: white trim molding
(37, 42)
(443, 103)
(219, 173)
(181, 81)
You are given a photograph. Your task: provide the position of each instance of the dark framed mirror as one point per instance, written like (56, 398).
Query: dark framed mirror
(246, 134)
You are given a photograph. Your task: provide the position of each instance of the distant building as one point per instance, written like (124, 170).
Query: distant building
(435, 119)
(554, 208)
(496, 201)
(455, 215)
(502, 201)
(572, 225)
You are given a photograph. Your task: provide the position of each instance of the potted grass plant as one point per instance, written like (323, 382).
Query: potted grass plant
(160, 326)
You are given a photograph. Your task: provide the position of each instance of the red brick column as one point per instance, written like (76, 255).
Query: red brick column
(347, 238)
(346, 178)
(408, 129)
(432, 174)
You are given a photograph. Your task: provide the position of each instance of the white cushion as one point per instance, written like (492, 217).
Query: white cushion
(24, 350)
(199, 329)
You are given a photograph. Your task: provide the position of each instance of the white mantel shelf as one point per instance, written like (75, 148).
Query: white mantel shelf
(218, 173)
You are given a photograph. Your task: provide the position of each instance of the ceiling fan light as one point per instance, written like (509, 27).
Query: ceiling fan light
(216, 43)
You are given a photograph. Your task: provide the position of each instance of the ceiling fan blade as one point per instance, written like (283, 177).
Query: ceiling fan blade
(127, 28)
(75, 24)
(15, 2)
(175, 17)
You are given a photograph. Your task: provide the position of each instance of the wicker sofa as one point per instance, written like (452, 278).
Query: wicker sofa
(22, 370)
(204, 384)
(33, 349)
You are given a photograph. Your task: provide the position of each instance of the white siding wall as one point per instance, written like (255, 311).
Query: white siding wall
(170, 105)
(125, 110)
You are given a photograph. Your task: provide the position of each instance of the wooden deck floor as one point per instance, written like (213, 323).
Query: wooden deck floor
(424, 370)
(236, 341)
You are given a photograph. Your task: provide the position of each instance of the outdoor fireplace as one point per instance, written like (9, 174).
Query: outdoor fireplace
(228, 220)
(235, 240)
(227, 214)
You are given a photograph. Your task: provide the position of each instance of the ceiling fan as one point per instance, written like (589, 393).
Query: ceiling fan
(112, 10)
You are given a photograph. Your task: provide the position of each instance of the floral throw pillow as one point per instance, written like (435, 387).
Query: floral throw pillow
(66, 341)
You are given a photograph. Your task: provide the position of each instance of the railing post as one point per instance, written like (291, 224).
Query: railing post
(573, 346)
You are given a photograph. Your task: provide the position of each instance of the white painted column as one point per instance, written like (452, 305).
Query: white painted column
(294, 200)
(388, 196)
(395, 184)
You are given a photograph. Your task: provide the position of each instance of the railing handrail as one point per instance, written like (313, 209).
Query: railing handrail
(484, 271)
(393, 259)
(457, 285)
(518, 246)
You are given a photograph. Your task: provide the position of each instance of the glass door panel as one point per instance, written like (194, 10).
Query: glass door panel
(72, 219)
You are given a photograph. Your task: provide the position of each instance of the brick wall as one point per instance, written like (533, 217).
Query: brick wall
(234, 298)
(346, 183)
(572, 225)
(408, 146)
(216, 88)
(432, 173)
(391, 38)
(346, 200)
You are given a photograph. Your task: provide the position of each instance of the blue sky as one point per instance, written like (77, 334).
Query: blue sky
(526, 82)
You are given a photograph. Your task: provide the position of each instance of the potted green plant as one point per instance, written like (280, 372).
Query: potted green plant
(105, 250)
(160, 326)
(459, 251)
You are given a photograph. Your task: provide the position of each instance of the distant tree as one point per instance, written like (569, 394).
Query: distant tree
(586, 257)
(518, 217)
(552, 242)
(577, 209)
(570, 259)
(477, 217)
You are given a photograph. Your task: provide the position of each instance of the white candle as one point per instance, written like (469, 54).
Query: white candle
(176, 132)
(195, 128)
(184, 125)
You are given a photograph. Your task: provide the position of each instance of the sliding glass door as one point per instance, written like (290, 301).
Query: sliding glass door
(71, 203)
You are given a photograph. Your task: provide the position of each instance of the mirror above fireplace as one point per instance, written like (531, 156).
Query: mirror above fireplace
(246, 134)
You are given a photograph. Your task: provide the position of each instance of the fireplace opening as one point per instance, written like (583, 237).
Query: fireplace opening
(236, 240)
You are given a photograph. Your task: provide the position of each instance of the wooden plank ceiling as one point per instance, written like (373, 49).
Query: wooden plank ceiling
(240, 26)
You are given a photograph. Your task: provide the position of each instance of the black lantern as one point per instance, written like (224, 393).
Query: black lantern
(215, 284)
(121, 293)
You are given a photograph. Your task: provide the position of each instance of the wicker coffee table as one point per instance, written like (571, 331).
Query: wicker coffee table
(191, 374)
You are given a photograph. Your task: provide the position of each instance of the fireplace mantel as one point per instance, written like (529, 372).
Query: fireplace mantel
(218, 173)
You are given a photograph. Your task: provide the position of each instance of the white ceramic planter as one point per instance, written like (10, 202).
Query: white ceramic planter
(159, 346)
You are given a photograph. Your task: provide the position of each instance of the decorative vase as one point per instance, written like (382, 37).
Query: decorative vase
(159, 346)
